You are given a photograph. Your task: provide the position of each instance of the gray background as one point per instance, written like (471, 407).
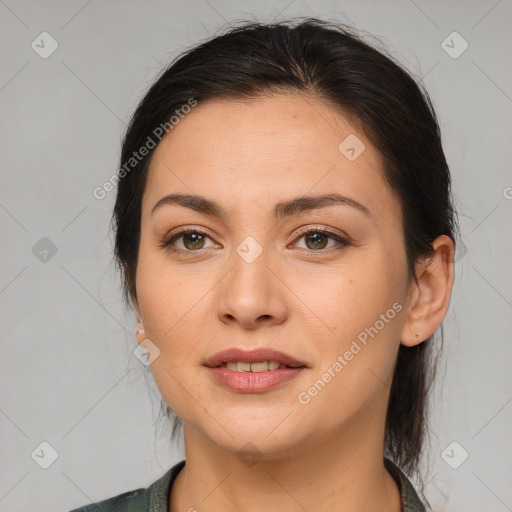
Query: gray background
(67, 369)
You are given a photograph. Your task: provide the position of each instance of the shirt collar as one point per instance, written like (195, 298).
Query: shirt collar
(410, 499)
(159, 491)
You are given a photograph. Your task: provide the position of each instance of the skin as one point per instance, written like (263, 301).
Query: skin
(247, 156)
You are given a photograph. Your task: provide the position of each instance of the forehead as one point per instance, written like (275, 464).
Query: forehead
(246, 153)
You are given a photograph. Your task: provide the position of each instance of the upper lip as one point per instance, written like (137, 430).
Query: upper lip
(251, 356)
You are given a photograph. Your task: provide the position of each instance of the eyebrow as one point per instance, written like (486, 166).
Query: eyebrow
(282, 209)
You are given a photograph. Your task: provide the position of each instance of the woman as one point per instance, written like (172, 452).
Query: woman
(285, 229)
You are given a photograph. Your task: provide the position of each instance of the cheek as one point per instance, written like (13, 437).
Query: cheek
(163, 296)
(172, 308)
(178, 310)
(176, 318)
(355, 318)
(356, 360)
(344, 300)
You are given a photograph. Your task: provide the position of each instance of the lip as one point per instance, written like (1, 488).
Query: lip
(253, 382)
(231, 355)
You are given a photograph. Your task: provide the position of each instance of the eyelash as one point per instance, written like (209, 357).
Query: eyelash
(167, 243)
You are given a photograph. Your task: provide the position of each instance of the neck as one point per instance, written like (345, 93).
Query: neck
(337, 472)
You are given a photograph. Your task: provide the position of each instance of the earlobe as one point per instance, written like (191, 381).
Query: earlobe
(430, 297)
(140, 335)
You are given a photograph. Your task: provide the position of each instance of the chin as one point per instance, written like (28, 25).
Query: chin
(265, 434)
(258, 444)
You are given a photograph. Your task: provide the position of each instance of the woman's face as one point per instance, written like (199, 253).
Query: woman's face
(335, 303)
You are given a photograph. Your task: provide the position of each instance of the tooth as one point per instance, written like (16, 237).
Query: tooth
(243, 367)
(259, 367)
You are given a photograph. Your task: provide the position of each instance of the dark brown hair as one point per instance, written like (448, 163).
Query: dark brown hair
(331, 62)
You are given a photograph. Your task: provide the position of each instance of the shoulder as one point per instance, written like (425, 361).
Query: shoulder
(152, 499)
(410, 500)
(133, 500)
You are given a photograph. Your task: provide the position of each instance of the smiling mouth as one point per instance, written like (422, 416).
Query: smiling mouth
(256, 367)
(257, 376)
(262, 359)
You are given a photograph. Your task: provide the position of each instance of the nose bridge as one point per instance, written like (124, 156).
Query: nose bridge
(251, 291)
(250, 274)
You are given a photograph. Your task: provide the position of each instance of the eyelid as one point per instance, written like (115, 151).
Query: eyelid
(323, 229)
(341, 239)
(174, 235)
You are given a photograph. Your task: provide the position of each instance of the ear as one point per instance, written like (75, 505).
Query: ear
(132, 292)
(430, 293)
(136, 308)
(140, 335)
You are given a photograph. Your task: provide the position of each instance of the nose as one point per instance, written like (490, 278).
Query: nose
(252, 294)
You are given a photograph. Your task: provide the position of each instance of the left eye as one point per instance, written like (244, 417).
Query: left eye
(316, 239)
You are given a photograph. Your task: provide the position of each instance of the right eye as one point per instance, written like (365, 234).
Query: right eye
(193, 240)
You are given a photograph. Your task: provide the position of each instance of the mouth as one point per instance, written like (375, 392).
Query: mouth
(255, 371)
(259, 360)
(261, 366)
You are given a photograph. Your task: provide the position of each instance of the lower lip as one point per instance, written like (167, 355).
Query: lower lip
(253, 382)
